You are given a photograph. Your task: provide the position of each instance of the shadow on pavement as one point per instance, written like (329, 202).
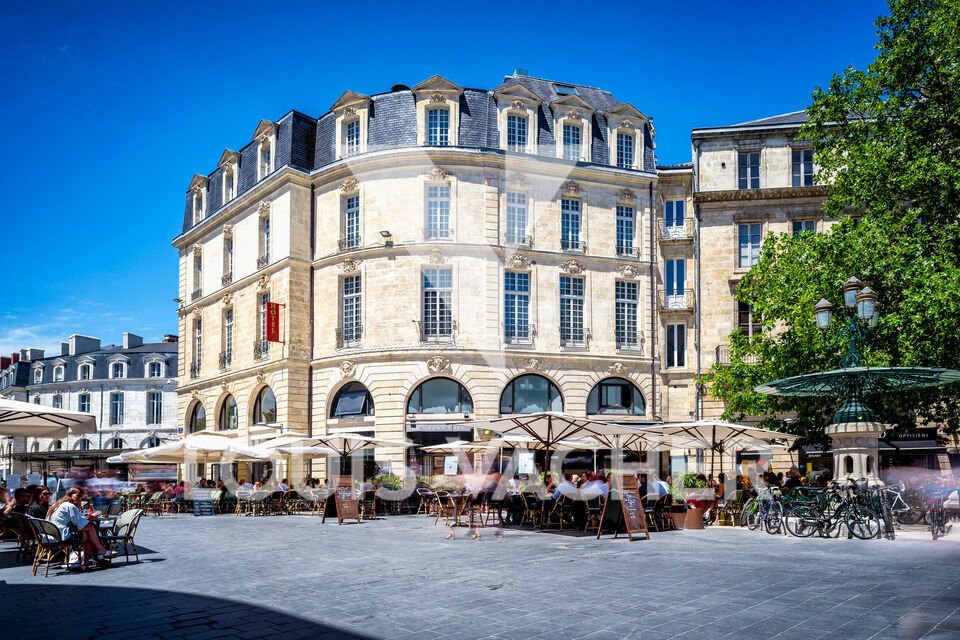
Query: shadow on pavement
(69, 611)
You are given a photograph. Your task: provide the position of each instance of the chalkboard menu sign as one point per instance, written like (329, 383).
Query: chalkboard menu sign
(202, 502)
(345, 498)
(623, 510)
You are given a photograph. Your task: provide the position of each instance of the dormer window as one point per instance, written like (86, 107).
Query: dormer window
(155, 369)
(565, 90)
(438, 112)
(438, 127)
(351, 138)
(625, 148)
(197, 207)
(228, 166)
(266, 138)
(572, 137)
(516, 133)
(58, 373)
(85, 372)
(626, 127)
(37, 375)
(228, 187)
(118, 370)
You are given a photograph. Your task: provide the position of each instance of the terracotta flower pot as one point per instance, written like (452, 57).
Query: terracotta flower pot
(694, 519)
(679, 518)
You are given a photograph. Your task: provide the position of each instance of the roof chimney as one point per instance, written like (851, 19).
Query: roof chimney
(131, 340)
(14, 358)
(83, 344)
(170, 338)
(64, 348)
(28, 355)
(4, 362)
(520, 71)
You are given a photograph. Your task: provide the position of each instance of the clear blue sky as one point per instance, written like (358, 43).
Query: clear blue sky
(111, 107)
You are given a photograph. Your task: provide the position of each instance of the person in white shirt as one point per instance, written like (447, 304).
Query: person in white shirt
(594, 487)
(66, 511)
(283, 486)
(246, 486)
(566, 486)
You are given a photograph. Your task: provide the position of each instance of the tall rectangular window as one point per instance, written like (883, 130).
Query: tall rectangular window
(351, 310)
(154, 369)
(351, 138)
(570, 224)
(748, 170)
(516, 217)
(228, 184)
(571, 141)
(116, 407)
(262, 344)
(227, 357)
(58, 401)
(804, 226)
(438, 212)
(747, 320)
(351, 222)
(571, 311)
(227, 260)
(674, 215)
(516, 307)
(197, 276)
(516, 133)
(438, 127)
(197, 343)
(802, 167)
(625, 231)
(437, 303)
(676, 345)
(154, 407)
(624, 150)
(264, 242)
(627, 296)
(749, 242)
(676, 280)
(83, 403)
(265, 163)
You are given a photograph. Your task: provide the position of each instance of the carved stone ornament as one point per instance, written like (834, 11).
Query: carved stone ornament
(350, 265)
(617, 368)
(227, 299)
(518, 104)
(574, 113)
(263, 283)
(349, 185)
(436, 256)
(436, 173)
(626, 124)
(181, 312)
(227, 230)
(626, 195)
(261, 376)
(347, 368)
(631, 271)
(437, 98)
(198, 249)
(518, 180)
(197, 312)
(532, 364)
(517, 261)
(194, 395)
(437, 364)
(570, 187)
(225, 386)
(572, 267)
(349, 111)
(263, 209)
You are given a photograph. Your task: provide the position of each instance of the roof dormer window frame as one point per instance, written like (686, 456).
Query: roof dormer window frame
(517, 100)
(198, 194)
(438, 93)
(38, 373)
(124, 369)
(229, 175)
(350, 108)
(573, 110)
(266, 138)
(626, 119)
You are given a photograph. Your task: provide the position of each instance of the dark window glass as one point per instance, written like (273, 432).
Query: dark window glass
(228, 415)
(616, 396)
(529, 394)
(352, 400)
(440, 395)
(265, 407)
(198, 419)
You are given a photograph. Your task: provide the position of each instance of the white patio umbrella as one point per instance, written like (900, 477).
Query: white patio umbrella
(346, 443)
(719, 436)
(197, 448)
(34, 420)
(459, 446)
(307, 452)
(530, 444)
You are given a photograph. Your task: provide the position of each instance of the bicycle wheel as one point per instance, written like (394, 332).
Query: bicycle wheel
(937, 517)
(887, 519)
(749, 516)
(774, 519)
(801, 522)
(913, 515)
(862, 522)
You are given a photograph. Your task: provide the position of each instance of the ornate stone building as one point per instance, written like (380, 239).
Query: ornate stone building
(442, 254)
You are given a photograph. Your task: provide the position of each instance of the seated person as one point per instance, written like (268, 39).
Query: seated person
(39, 507)
(565, 487)
(21, 501)
(66, 511)
(283, 486)
(595, 486)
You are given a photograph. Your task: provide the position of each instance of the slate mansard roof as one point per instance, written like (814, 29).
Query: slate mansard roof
(136, 358)
(308, 143)
(792, 119)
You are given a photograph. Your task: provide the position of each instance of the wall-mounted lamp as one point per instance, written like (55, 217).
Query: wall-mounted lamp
(387, 238)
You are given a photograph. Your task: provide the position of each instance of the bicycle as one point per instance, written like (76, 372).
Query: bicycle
(764, 510)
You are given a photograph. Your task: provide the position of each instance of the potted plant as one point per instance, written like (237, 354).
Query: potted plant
(692, 489)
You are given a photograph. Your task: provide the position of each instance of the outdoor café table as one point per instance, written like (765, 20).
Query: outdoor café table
(460, 502)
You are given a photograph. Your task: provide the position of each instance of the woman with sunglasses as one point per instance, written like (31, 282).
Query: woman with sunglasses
(40, 503)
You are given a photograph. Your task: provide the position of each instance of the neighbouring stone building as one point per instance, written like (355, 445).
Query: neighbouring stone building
(130, 388)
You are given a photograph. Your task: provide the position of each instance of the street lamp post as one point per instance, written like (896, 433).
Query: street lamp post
(854, 431)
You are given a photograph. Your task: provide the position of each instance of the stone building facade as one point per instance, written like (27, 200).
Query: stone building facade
(442, 254)
(130, 388)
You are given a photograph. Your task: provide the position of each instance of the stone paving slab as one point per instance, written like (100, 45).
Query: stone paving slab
(292, 576)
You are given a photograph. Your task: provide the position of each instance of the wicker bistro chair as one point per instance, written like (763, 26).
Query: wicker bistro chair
(653, 510)
(446, 507)
(729, 513)
(244, 504)
(532, 509)
(560, 512)
(259, 502)
(293, 502)
(493, 508)
(49, 544)
(594, 509)
(428, 501)
(19, 525)
(123, 533)
(319, 499)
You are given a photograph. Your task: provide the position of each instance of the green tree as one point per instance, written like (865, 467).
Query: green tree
(887, 141)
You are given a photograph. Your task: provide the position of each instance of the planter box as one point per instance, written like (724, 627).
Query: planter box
(679, 518)
(694, 519)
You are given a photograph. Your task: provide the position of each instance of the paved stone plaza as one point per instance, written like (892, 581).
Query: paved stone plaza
(291, 577)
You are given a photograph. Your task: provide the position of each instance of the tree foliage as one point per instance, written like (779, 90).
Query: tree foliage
(887, 142)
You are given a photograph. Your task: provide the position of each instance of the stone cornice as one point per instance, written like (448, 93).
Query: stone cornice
(747, 195)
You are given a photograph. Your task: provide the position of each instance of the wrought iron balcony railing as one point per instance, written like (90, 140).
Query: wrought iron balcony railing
(571, 338)
(519, 333)
(628, 341)
(196, 295)
(628, 252)
(723, 356)
(226, 278)
(675, 232)
(195, 369)
(345, 244)
(226, 360)
(437, 233)
(349, 337)
(675, 300)
(263, 261)
(573, 245)
(261, 349)
(519, 240)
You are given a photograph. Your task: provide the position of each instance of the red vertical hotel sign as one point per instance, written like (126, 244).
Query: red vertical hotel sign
(273, 322)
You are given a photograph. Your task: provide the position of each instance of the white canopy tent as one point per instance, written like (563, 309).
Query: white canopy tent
(21, 419)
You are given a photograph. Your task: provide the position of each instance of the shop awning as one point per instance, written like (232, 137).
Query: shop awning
(912, 445)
